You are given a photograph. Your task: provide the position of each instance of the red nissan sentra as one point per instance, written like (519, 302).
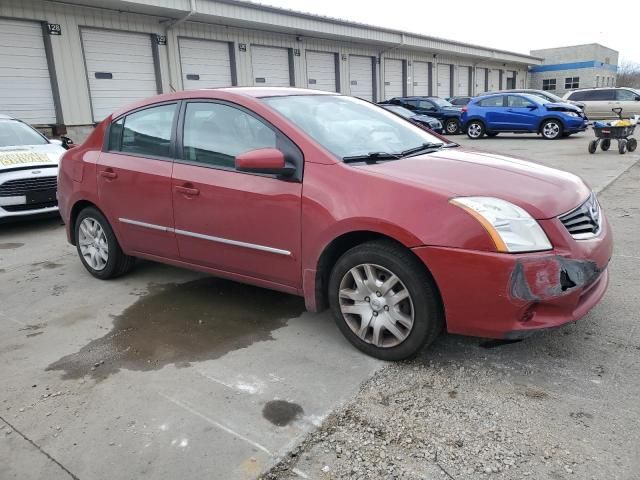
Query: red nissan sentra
(327, 196)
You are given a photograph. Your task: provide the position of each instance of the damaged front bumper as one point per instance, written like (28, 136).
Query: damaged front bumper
(509, 296)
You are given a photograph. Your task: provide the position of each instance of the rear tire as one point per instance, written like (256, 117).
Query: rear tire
(632, 144)
(593, 146)
(605, 145)
(552, 129)
(452, 126)
(98, 247)
(407, 316)
(475, 129)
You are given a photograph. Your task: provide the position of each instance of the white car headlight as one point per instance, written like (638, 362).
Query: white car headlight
(571, 114)
(511, 228)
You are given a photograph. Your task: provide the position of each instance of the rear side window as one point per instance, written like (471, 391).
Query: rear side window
(146, 132)
(427, 105)
(215, 133)
(491, 102)
(593, 95)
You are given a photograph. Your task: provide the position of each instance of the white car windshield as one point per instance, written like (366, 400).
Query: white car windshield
(348, 127)
(14, 133)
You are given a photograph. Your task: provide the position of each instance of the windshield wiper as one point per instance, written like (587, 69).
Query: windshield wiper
(421, 148)
(372, 157)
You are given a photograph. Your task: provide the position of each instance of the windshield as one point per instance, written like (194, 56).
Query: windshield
(405, 112)
(440, 102)
(14, 133)
(348, 127)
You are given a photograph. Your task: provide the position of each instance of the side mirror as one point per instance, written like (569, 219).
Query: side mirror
(264, 160)
(67, 142)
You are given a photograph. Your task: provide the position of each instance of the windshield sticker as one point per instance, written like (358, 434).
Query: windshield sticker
(18, 158)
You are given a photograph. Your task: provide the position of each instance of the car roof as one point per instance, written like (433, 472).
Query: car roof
(530, 96)
(220, 93)
(6, 117)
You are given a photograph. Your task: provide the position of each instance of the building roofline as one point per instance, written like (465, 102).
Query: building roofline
(312, 16)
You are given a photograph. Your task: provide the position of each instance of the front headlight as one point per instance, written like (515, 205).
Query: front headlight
(571, 114)
(511, 228)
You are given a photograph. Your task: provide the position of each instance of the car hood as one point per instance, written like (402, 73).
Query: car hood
(30, 155)
(424, 118)
(566, 107)
(542, 191)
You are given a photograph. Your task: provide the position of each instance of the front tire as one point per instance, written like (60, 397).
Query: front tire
(475, 129)
(452, 126)
(384, 301)
(98, 247)
(632, 144)
(551, 129)
(622, 147)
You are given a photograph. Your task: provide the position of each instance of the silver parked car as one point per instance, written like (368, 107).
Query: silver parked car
(28, 169)
(599, 102)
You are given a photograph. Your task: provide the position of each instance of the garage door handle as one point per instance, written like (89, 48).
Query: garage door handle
(110, 174)
(187, 190)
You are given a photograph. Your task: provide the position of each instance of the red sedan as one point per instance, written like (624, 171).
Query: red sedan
(326, 196)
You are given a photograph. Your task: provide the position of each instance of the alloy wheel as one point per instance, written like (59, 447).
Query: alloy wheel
(551, 130)
(376, 305)
(474, 130)
(452, 126)
(93, 243)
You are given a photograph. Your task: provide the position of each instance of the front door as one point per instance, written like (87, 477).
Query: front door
(521, 113)
(134, 180)
(246, 224)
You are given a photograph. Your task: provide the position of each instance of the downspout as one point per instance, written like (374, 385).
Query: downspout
(381, 76)
(167, 29)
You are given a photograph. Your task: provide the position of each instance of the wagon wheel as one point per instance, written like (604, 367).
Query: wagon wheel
(632, 144)
(593, 145)
(606, 143)
(622, 146)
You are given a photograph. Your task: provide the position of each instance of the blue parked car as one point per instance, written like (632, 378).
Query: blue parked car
(449, 115)
(521, 113)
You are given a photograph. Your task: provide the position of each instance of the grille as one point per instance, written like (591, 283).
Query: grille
(21, 186)
(584, 221)
(31, 206)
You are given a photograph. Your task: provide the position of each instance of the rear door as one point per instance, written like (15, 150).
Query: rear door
(134, 180)
(493, 111)
(598, 103)
(242, 223)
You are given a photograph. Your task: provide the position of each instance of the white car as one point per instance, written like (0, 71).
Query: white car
(28, 169)
(599, 102)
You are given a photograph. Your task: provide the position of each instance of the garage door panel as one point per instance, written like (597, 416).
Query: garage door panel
(481, 76)
(321, 70)
(209, 61)
(463, 80)
(393, 78)
(271, 66)
(361, 77)
(421, 79)
(132, 69)
(444, 80)
(24, 73)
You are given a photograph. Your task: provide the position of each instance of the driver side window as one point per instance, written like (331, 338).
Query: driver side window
(518, 102)
(425, 105)
(214, 133)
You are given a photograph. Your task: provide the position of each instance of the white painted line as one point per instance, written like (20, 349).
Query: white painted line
(299, 473)
(216, 424)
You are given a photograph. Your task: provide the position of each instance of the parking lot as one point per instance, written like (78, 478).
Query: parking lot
(168, 373)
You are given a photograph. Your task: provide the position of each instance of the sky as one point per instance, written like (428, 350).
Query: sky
(507, 25)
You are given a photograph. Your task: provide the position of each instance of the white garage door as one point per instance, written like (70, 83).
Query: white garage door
(463, 80)
(270, 66)
(25, 85)
(321, 71)
(205, 64)
(481, 80)
(494, 80)
(120, 69)
(421, 79)
(444, 80)
(361, 77)
(393, 78)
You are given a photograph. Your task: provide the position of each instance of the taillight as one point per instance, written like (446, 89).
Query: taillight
(464, 109)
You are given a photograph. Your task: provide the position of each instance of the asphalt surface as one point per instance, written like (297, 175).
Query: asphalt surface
(169, 374)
